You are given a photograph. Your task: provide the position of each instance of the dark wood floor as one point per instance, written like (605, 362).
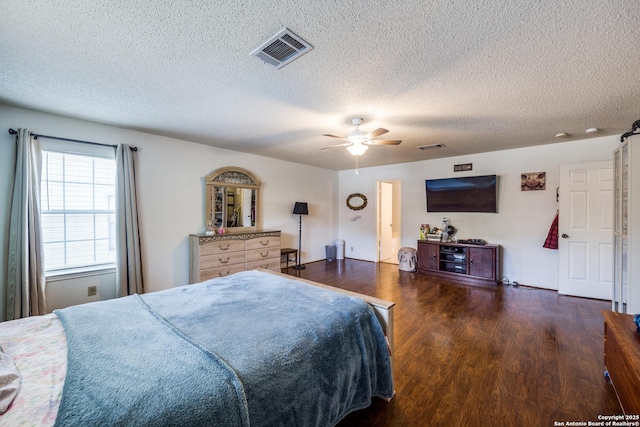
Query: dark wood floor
(469, 356)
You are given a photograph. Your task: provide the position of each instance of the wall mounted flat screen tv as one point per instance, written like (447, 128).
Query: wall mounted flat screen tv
(462, 194)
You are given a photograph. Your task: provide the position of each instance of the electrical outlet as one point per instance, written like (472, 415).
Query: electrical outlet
(92, 291)
(351, 248)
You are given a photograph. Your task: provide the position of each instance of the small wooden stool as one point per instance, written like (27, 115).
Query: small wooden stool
(285, 256)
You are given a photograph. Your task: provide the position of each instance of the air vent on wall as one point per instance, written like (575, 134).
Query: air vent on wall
(282, 48)
(426, 147)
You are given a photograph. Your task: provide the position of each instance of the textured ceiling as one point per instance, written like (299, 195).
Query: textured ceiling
(476, 76)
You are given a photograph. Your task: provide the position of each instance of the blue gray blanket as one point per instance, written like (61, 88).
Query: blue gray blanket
(126, 366)
(249, 348)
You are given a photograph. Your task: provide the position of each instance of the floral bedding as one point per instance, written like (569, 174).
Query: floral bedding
(38, 346)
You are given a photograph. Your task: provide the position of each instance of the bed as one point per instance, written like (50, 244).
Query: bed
(254, 348)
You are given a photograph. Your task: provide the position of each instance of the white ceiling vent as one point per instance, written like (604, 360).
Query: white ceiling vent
(426, 147)
(282, 48)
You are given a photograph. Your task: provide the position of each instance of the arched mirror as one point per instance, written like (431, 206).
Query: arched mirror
(233, 199)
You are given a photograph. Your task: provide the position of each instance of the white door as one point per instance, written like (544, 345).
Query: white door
(585, 226)
(385, 219)
(246, 207)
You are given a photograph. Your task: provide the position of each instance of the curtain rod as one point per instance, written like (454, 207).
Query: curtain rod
(57, 138)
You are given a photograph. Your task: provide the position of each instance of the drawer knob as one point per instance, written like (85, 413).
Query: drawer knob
(264, 243)
(263, 255)
(224, 248)
(223, 261)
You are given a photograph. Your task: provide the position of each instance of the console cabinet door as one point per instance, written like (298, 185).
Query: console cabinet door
(428, 255)
(482, 262)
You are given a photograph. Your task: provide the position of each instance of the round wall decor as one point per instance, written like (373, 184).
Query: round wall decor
(356, 201)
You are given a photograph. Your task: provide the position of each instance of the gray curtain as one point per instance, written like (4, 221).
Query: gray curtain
(129, 259)
(25, 260)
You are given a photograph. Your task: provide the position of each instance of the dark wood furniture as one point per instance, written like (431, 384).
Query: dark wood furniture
(285, 257)
(478, 264)
(622, 359)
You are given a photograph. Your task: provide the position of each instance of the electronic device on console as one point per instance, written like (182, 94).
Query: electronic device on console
(472, 241)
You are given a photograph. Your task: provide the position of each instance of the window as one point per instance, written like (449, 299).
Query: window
(78, 207)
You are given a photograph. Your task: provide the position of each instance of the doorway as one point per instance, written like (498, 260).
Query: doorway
(389, 224)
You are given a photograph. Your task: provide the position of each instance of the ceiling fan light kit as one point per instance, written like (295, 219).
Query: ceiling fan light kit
(357, 149)
(358, 141)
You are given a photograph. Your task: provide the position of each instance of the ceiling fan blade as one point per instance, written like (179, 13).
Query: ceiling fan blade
(334, 146)
(383, 142)
(333, 136)
(377, 132)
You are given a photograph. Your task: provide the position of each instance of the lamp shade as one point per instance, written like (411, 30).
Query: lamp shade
(357, 149)
(300, 208)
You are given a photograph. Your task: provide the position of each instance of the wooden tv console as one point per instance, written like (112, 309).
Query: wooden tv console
(478, 264)
(622, 359)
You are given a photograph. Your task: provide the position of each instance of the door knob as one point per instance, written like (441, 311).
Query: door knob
(564, 235)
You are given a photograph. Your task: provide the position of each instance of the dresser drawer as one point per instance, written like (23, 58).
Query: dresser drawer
(221, 246)
(212, 273)
(221, 260)
(263, 254)
(267, 264)
(263, 242)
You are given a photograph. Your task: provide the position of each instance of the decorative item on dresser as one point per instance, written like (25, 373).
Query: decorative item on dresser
(224, 254)
(469, 263)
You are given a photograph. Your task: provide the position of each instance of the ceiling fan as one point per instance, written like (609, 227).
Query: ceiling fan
(358, 141)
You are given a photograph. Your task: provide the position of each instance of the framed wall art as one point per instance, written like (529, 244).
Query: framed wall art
(531, 181)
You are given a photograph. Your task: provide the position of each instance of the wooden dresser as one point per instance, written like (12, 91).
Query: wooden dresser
(224, 254)
(622, 359)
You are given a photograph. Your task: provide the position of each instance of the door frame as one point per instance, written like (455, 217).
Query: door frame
(396, 214)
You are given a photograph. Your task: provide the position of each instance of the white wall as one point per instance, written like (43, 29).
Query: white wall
(170, 179)
(61, 293)
(520, 226)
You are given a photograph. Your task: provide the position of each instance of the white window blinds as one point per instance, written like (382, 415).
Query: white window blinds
(78, 210)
